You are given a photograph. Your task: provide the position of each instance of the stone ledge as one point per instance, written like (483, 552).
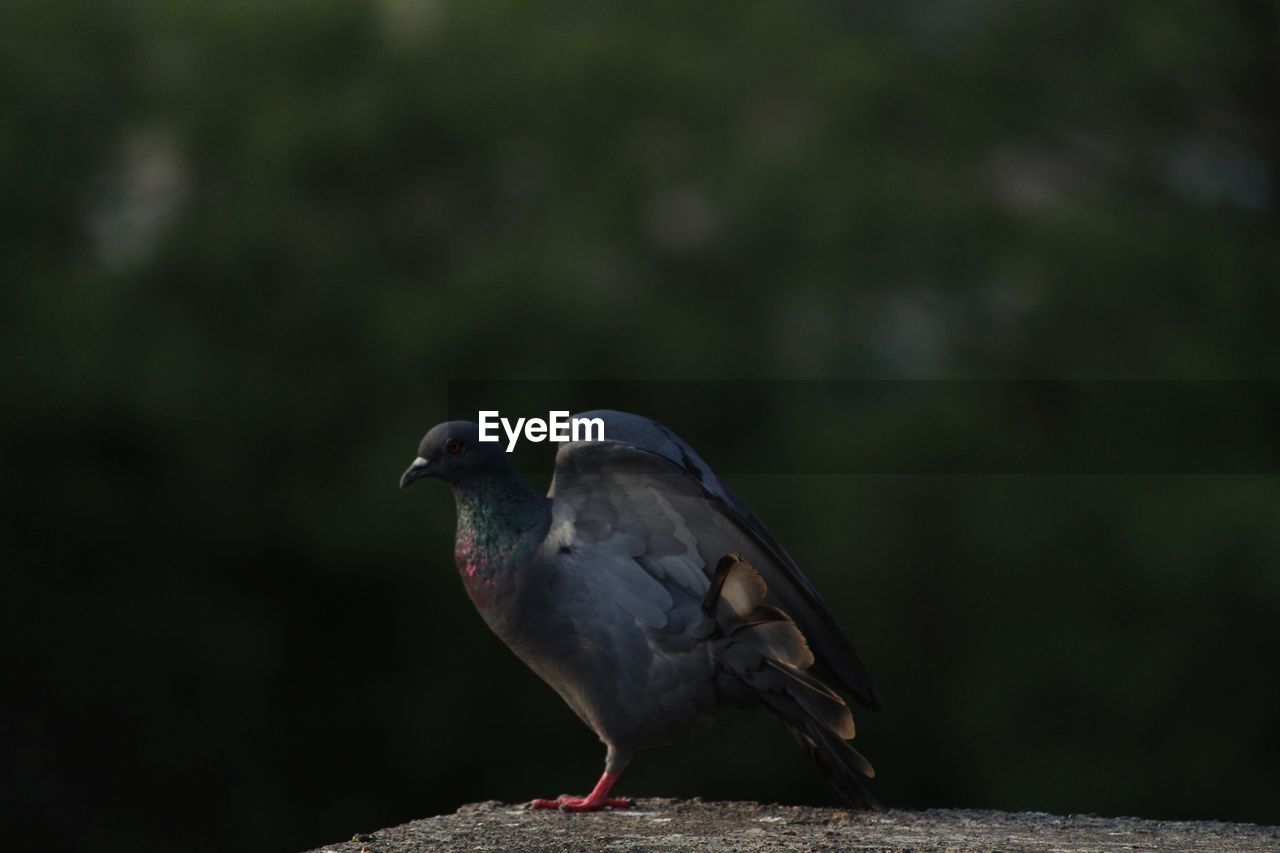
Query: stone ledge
(663, 824)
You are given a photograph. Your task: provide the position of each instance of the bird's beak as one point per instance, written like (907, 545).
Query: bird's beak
(419, 469)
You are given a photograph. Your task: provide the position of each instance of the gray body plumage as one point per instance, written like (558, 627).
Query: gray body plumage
(789, 589)
(608, 589)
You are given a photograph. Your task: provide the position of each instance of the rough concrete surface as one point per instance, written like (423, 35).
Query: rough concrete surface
(668, 825)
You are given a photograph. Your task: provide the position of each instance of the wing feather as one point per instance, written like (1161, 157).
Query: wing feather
(644, 481)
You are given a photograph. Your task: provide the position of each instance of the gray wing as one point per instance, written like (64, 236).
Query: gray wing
(714, 517)
(629, 582)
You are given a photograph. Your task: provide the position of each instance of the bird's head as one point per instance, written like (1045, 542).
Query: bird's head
(454, 452)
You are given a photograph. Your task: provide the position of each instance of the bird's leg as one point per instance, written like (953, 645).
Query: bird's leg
(595, 801)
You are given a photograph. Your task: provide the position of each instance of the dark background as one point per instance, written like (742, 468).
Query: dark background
(248, 246)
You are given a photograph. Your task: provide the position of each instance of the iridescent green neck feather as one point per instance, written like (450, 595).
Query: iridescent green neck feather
(500, 524)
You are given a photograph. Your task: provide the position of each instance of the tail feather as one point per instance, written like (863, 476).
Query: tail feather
(817, 700)
(843, 766)
(768, 657)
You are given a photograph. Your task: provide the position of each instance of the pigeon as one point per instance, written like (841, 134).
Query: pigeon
(648, 596)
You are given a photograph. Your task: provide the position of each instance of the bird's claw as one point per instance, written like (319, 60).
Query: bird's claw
(567, 803)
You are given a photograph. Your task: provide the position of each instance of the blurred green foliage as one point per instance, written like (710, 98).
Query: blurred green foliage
(246, 244)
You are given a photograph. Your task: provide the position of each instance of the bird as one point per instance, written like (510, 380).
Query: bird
(648, 596)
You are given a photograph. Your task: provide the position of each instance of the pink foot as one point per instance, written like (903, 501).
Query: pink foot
(595, 801)
(566, 803)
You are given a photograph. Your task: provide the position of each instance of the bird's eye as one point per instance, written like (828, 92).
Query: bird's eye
(453, 446)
